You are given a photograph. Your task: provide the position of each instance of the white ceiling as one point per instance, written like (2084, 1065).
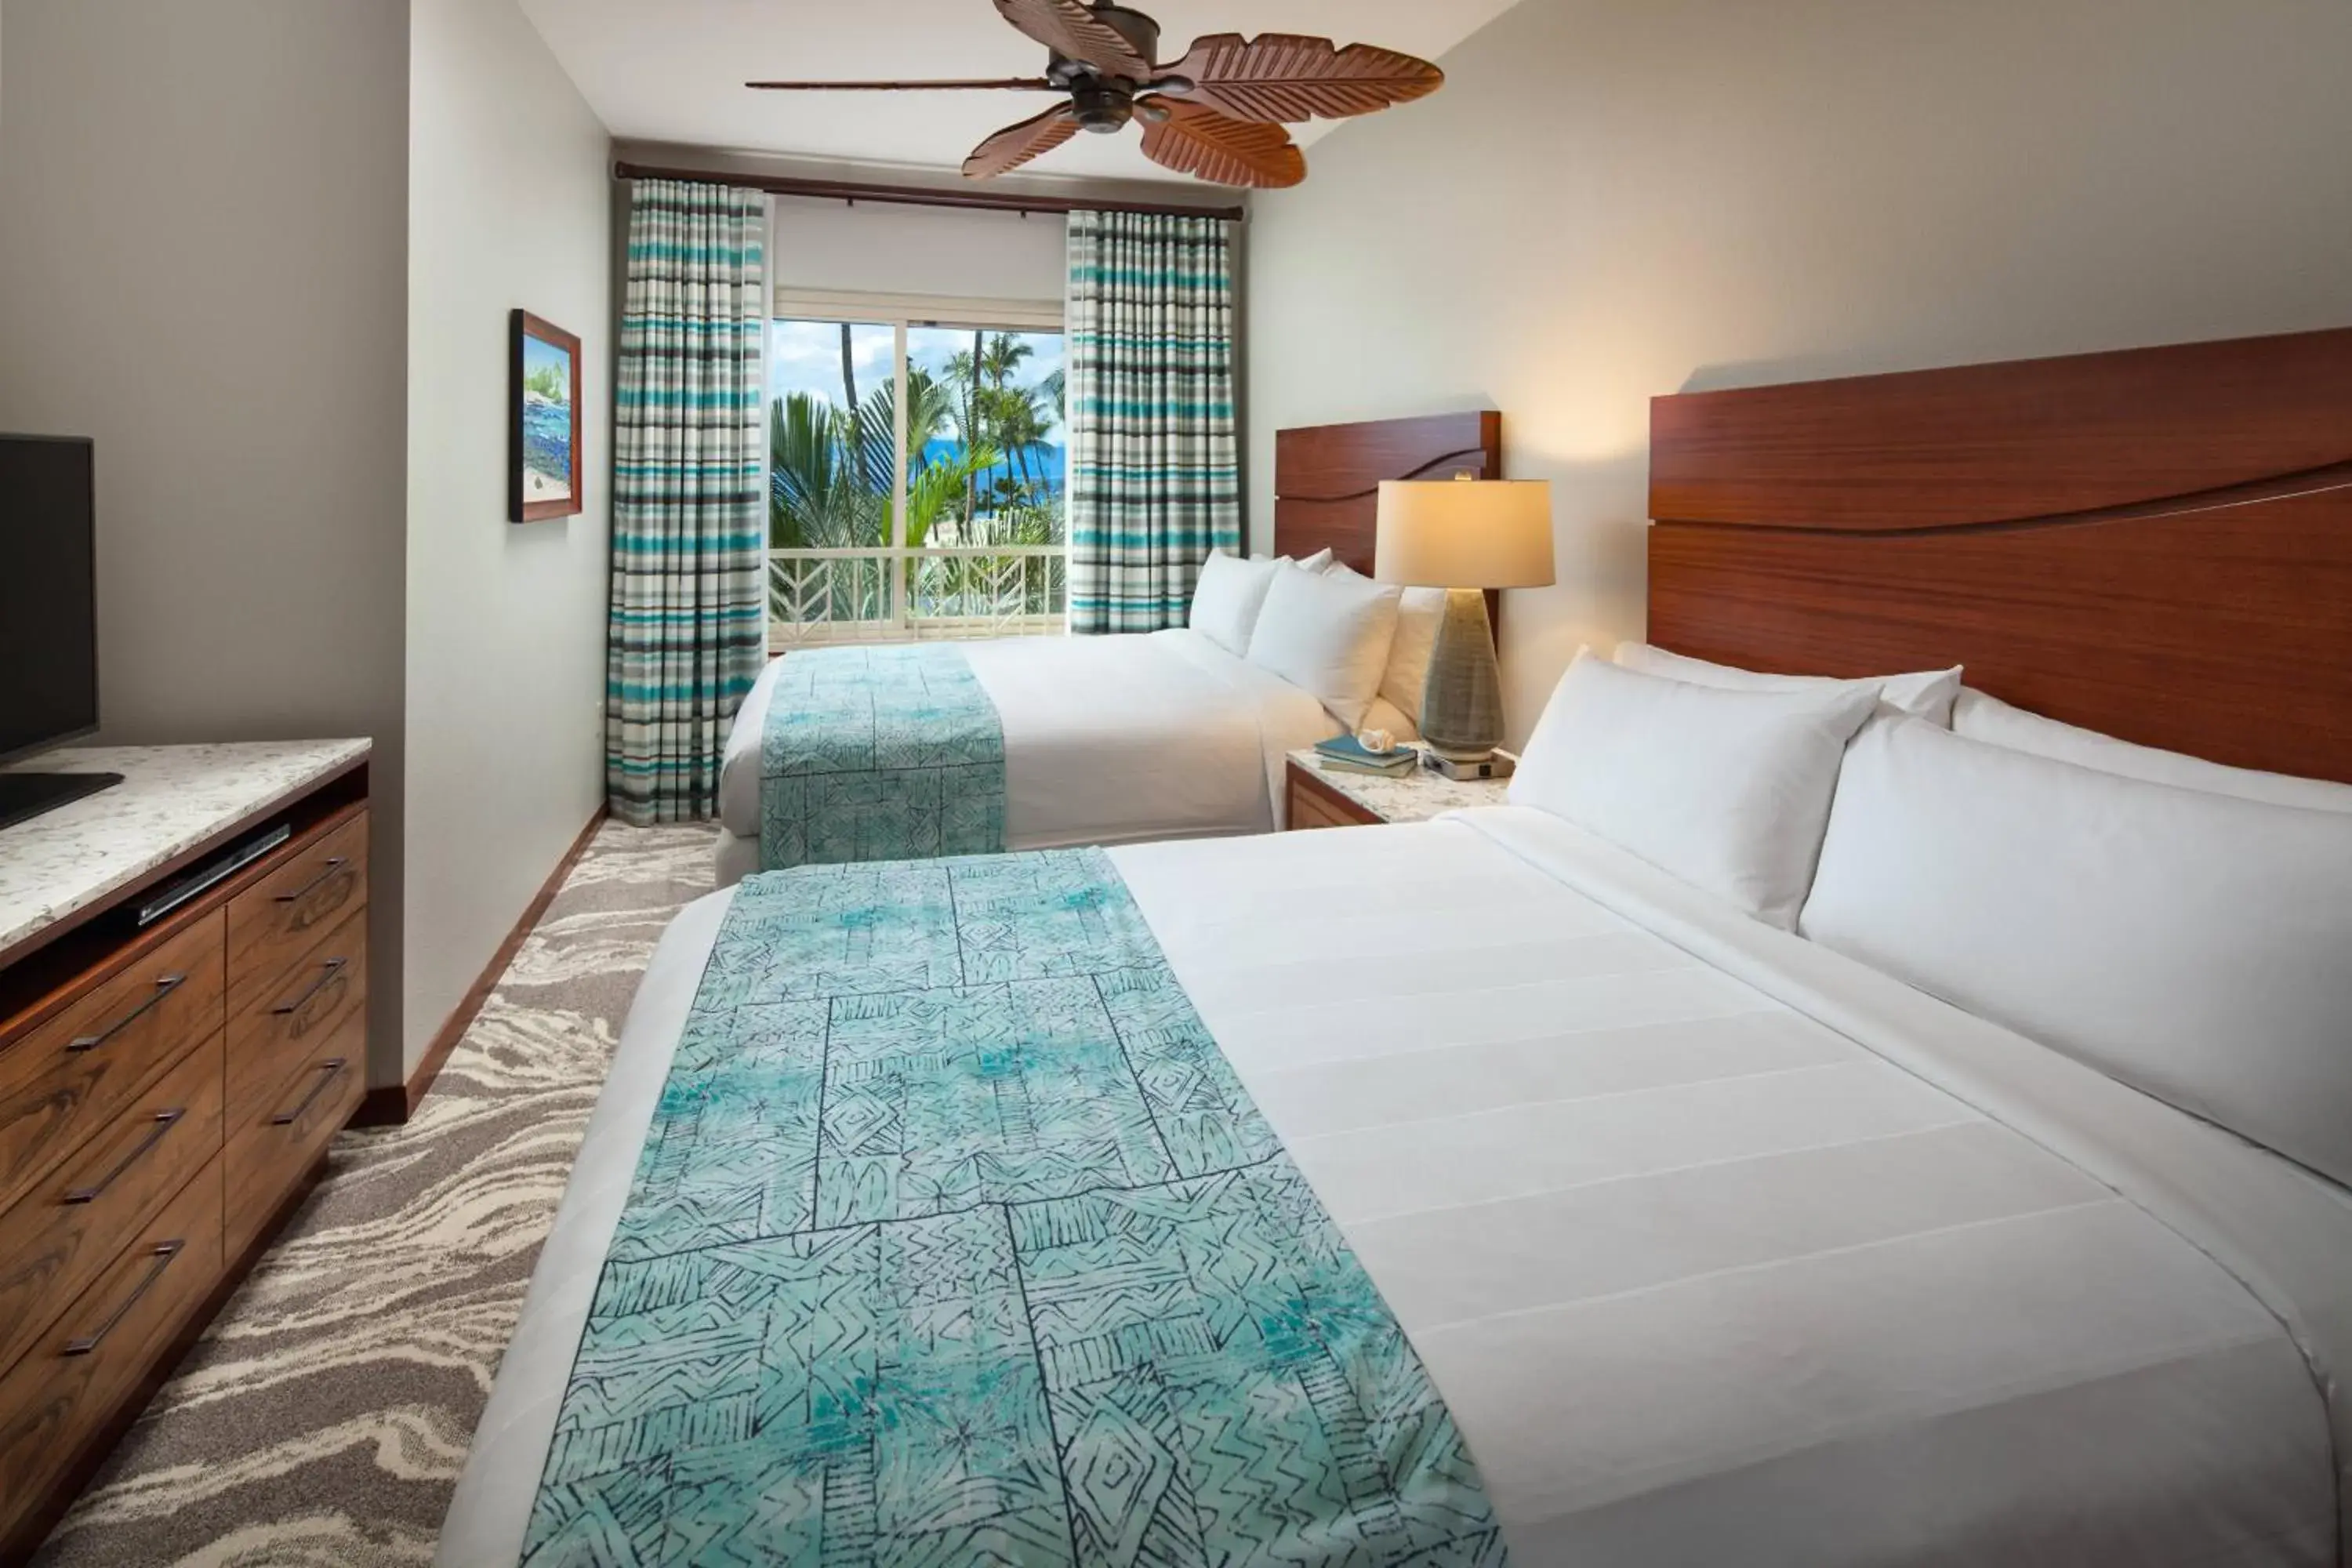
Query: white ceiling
(673, 70)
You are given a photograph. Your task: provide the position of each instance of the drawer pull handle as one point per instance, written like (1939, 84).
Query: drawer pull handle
(315, 883)
(164, 1251)
(329, 1070)
(164, 1121)
(163, 987)
(328, 971)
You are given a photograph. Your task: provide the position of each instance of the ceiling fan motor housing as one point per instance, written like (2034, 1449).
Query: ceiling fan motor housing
(1102, 106)
(1100, 102)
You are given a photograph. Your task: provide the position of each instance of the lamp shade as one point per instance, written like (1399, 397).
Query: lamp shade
(1464, 533)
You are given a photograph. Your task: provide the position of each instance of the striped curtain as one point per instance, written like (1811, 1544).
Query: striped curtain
(689, 522)
(1155, 481)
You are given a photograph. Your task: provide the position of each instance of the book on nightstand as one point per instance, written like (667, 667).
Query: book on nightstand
(1346, 754)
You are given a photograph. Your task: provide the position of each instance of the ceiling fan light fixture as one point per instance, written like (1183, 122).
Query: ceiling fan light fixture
(1102, 107)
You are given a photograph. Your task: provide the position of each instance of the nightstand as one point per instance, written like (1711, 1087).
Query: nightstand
(1317, 798)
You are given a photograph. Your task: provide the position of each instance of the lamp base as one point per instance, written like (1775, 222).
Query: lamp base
(1493, 765)
(1462, 700)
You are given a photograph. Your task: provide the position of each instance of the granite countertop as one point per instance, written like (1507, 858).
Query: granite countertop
(171, 799)
(1416, 797)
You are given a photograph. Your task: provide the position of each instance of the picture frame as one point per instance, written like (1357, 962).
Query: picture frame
(542, 420)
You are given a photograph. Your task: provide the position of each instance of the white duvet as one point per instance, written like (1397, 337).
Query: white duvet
(1107, 740)
(1721, 1247)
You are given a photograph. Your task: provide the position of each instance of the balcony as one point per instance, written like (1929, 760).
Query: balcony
(821, 597)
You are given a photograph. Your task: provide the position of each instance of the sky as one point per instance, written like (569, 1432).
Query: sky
(805, 356)
(537, 356)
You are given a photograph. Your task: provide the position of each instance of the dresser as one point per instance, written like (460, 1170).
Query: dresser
(182, 1030)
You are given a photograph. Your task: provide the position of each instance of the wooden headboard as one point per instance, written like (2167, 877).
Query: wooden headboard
(1327, 477)
(2155, 544)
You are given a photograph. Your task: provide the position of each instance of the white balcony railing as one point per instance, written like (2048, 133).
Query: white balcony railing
(884, 594)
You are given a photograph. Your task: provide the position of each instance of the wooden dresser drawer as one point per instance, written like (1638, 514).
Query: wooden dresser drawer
(63, 1081)
(70, 1383)
(280, 918)
(278, 1028)
(67, 1229)
(274, 1141)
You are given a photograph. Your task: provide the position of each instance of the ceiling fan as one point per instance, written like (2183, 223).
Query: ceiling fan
(1217, 114)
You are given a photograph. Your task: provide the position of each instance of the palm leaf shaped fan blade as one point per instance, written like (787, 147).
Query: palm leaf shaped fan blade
(1217, 112)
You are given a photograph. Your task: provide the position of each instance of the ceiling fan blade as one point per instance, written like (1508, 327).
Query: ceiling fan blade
(1200, 141)
(992, 84)
(1071, 30)
(1016, 144)
(1282, 77)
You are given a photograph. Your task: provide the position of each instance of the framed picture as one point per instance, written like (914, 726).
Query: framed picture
(542, 421)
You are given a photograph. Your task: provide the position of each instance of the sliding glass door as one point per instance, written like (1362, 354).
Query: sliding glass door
(917, 470)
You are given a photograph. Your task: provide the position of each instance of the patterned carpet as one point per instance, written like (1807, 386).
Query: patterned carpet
(325, 1417)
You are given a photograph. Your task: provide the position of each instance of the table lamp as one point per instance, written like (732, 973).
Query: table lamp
(1464, 535)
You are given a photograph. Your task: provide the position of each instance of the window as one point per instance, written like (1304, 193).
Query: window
(918, 468)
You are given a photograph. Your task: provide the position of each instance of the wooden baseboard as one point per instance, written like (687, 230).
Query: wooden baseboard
(393, 1103)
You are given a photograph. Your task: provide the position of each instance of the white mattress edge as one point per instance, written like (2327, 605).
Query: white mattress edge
(490, 1512)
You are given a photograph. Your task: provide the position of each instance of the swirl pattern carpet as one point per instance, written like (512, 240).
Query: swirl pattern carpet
(324, 1416)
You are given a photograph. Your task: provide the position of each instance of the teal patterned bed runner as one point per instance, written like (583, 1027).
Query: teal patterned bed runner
(880, 753)
(955, 1240)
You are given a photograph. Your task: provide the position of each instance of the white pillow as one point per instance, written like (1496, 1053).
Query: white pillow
(1328, 633)
(1927, 693)
(1727, 790)
(1321, 561)
(1227, 598)
(1420, 612)
(1995, 722)
(2192, 945)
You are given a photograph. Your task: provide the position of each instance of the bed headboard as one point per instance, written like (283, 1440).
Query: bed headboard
(1327, 477)
(2155, 544)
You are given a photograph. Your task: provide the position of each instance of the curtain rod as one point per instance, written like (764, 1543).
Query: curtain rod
(917, 195)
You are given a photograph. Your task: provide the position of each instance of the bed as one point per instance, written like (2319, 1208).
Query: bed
(1072, 736)
(1520, 1197)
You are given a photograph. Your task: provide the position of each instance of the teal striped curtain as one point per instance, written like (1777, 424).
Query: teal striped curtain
(688, 569)
(1155, 480)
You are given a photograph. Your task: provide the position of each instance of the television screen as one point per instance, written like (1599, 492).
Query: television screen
(48, 593)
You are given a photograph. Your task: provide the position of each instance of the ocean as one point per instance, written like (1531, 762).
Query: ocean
(1047, 464)
(547, 439)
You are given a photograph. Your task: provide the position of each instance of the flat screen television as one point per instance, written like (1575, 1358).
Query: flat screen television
(48, 617)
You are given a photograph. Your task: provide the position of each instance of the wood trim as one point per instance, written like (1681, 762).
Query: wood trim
(2156, 544)
(1326, 478)
(525, 326)
(2030, 440)
(390, 1105)
(1349, 812)
(917, 195)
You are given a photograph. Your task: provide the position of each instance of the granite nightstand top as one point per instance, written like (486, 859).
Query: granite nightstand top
(1416, 797)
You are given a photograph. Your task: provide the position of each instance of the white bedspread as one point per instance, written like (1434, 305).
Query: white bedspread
(1107, 740)
(1721, 1247)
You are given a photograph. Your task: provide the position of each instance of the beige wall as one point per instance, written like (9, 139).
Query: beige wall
(1613, 199)
(509, 206)
(876, 249)
(202, 264)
